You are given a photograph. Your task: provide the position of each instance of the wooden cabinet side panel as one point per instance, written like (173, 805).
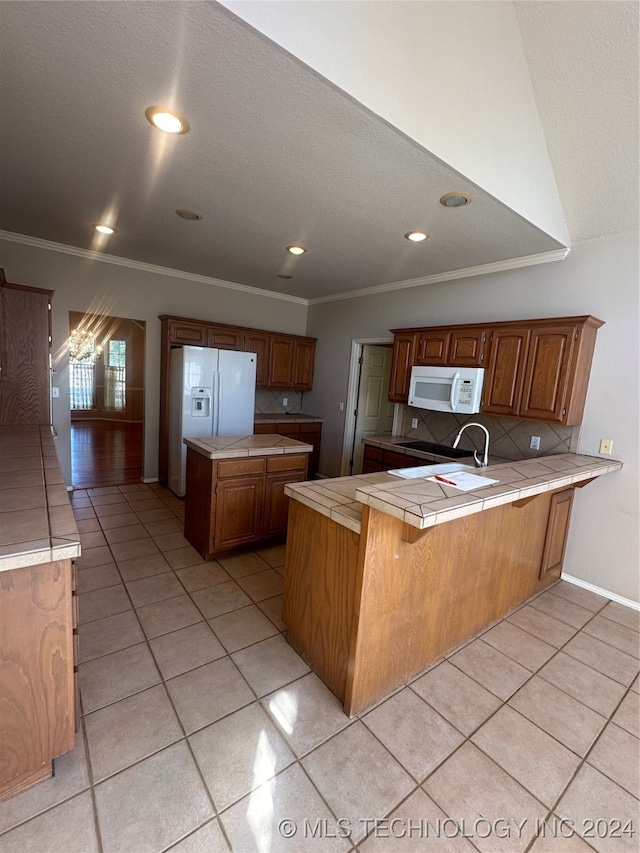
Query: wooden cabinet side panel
(421, 600)
(37, 719)
(199, 503)
(319, 584)
(24, 381)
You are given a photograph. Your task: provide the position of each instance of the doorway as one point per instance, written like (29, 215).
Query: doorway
(369, 411)
(106, 398)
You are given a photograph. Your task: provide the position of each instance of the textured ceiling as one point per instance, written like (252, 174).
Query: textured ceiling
(275, 156)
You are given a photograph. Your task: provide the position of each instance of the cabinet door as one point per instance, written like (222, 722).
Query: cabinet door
(504, 373)
(276, 503)
(404, 346)
(260, 344)
(225, 337)
(371, 459)
(304, 352)
(557, 530)
(187, 332)
(238, 511)
(467, 348)
(432, 347)
(311, 433)
(547, 373)
(281, 362)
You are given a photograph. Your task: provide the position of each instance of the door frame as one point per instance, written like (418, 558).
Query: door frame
(352, 400)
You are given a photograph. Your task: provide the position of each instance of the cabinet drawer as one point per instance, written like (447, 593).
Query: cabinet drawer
(287, 462)
(264, 429)
(239, 467)
(287, 429)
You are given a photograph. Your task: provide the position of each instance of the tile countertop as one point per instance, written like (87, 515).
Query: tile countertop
(423, 503)
(36, 520)
(239, 446)
(283, 416)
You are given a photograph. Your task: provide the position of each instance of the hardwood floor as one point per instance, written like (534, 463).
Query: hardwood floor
(105, 453)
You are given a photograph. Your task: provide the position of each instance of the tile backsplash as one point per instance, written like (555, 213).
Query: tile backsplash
(508, 437)
(270, 402)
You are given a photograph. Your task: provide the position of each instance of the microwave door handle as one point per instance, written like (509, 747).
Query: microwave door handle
(454, 388)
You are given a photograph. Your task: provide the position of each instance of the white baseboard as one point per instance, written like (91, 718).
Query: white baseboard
(627, 602)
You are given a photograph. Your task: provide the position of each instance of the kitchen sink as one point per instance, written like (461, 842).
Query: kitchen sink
(438, 449)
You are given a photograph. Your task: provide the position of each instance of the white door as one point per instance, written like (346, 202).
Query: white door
(374, 411)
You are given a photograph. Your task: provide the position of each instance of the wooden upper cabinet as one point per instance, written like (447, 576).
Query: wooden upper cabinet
(187, 332)
(304, 354)
(432, 347)
(404, 346)
(504, 371)
(281, 362)
(466, 348)
(547, 371)
(260, 344)
(225, 337)
(536, 369)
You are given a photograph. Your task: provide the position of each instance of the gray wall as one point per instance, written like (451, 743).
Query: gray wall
(599, 277)
(100, 287)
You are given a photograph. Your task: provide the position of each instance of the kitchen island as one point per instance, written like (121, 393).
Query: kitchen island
(39, 542)
(235, 489)
(384, 576)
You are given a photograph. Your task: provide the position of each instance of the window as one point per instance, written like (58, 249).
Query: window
(115, 376)
(82, 381)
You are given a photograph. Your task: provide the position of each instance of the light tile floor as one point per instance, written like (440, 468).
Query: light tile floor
(203, 731)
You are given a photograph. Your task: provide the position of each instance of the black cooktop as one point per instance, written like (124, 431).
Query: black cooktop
(439, 449)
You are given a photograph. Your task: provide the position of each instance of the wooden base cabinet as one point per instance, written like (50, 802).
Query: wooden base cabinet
(308, 431)
(38, 693)
(232, 503)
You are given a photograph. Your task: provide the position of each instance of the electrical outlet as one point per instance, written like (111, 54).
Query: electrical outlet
(341, 407)
(606, 446)
(414, 423)
(55, 392)
(285, 401)
(534, 442)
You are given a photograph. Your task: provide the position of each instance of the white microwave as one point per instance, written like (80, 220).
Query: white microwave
(446, 389)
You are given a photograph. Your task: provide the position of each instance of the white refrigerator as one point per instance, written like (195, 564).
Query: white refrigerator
(212, 392)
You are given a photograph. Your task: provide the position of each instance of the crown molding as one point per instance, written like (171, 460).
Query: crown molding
(92, 255)
(467, 272)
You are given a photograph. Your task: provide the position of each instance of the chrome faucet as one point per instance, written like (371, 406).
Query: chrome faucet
(485, 457)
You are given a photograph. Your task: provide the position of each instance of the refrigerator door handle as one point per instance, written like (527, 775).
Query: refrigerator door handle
(215, 402)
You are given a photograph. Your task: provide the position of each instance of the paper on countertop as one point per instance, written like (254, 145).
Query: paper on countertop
(462, 480)
(410, 473)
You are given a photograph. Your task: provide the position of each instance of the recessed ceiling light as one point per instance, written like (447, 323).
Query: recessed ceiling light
(296, 250)
(190, 215)
(104, 229)
(456, 199)
(416, 236)
(167, 120)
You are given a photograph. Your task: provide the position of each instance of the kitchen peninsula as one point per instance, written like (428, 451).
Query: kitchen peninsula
(384, 576)
(235, 489)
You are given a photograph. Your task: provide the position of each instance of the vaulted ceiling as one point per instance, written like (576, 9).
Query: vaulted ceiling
(276, 155)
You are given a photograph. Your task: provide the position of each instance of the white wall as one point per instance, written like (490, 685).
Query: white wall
(451, 75)
(599, 277)
(86, 285)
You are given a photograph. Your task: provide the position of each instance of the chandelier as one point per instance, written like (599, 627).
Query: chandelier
(82, 345)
